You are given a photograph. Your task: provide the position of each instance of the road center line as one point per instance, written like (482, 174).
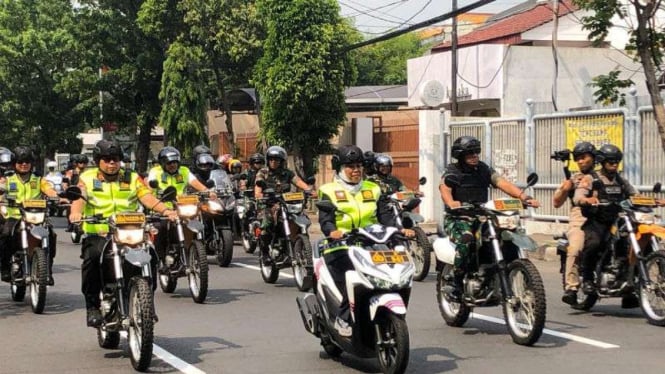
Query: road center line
(281, 273)
(170, 359)
(563, 335)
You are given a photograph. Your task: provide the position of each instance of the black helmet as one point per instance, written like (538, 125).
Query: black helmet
(199, 150)
(204, 162)
(168, 154)
(23, 153)
(77, 158)
(257, 158)
(465, 145)
(609, 152)
(276, 152)
(106, 148)
(347, 154)
(383, 160)
(368, 162)
(584, 147)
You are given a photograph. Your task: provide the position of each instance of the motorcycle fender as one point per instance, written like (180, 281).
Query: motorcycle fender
(302, 221)
(138, 258)
(390, 301)
(415, 217)
(39, 232)
(522, 241)
(658, 231)
(195, 226)
(444, 250)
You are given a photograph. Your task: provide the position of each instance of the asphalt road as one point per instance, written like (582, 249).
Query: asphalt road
(247, 326)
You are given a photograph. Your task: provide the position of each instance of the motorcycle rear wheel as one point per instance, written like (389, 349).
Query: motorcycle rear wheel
(652, 298)
(303, 269)
(75, 236)
(525, 318)
(141, 323)
(18, 288)
(108, 339)
(392, 348)
(198, 275)
(38, 269)
(421, 250)
(167, 282)
(248, 241)
(455, 314)
(269, 272)
(225, 248)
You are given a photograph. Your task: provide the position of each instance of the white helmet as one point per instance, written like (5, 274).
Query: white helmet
(51, 164)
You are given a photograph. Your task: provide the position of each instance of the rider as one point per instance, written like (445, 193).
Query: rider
(53, 176)
(358, 199)
(6, 165)
(107, 189)
(234, 170)
(79, 163)
(584, 155)
(475, 178)
(256, 162)
(599, 219)
(169, 172)
(203, 163)
(20, 186)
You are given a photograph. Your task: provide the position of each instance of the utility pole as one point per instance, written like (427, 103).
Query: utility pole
(453, 56)
(555, 54)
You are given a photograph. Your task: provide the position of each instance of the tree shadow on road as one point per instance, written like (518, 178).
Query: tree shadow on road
(56, 303)
(421, 360)
(215, 296)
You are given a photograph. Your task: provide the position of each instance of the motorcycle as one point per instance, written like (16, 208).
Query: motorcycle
(499, 271)
(56, 209)
(30, 264)
(289, 244)
(217, 216)
(402, 204)
(633, 262)
(248, 223)
(379, 290)
(185, 252)
(127, 299)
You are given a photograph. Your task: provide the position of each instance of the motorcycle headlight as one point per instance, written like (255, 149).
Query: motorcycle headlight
(380, 282)
(215, 206)
(129, 236)
(509, 222)
(188, 210)
(294, 208)
(645, 218)
(35, 218)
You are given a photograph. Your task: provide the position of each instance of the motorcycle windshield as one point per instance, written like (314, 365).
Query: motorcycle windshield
(222, 180)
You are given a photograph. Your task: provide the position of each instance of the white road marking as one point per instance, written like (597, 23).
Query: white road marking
(281, 273)
(563, 335)
(170, 359)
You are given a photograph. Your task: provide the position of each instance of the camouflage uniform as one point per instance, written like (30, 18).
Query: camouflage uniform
(280, 180)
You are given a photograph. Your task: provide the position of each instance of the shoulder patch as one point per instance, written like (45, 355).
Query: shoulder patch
(340, 196)
(368, 195)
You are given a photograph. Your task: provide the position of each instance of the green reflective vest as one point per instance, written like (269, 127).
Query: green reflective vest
(359, 209)
(21, 191)
(179, 180)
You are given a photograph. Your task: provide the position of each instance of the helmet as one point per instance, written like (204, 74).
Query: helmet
(24, 153)
(204, 162)
(257, 158)
(79, 159)
(609, 152)
(199, 150)
(347, 154)
(584, 147)
(465, 145)
(276, 152)
(51, 164)
(368, 162)
(106, 148)
(234, 166)
(383, 160)
(224, 160)
(168, 154)
(6, 156)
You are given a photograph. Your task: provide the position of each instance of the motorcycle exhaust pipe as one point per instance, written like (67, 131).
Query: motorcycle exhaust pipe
(307, 307)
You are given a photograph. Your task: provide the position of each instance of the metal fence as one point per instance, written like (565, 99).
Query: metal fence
(516, 147)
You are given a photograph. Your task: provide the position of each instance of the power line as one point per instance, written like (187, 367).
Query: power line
(400, 22)
(370, 10)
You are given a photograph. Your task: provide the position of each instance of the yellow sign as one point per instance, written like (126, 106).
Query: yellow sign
(34, 204)
(293, 196)
(187, 199)
(404, 195)
(507, 204)
(595, 130)
(643, 200)
(129, 218)
(389, 257)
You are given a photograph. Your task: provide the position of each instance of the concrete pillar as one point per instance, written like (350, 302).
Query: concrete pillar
(430, 159)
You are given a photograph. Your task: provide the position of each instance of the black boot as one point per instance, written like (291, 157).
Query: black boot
(94, 317)
(5, 273)
(570, 297)
(630, 301)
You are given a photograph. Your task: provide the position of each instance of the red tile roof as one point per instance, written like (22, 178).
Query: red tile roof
(509, 27)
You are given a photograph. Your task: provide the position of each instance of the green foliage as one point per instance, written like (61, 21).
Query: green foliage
(608, 86)
(302, 74)
(385, 63)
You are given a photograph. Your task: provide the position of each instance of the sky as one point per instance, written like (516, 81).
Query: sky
(377, 17)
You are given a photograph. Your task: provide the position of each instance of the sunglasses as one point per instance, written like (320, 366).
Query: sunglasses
(354, 166)
(612, 161)
(23, 162)
(111, 159)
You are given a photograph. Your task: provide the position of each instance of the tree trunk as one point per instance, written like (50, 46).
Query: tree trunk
(143, 146)
(644, 47)
(226, 107)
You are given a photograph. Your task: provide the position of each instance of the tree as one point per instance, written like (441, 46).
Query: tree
(647, 43)
(35, 57)
(301, 76)
(385, 63)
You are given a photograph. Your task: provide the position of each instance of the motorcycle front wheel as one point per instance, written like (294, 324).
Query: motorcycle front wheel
(141, 323)
(18, 288)
(225, 248)
(39, 280)
(198, 272)
(75, 236)
(525, 314)
(454, 313)
(421, 250)
(167, 282)
(269, 271)
(108, 339)
(392, 343)
(248, 239)
(652, 296)
(303, 269)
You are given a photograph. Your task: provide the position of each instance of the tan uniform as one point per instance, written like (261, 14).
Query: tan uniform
(575, 236)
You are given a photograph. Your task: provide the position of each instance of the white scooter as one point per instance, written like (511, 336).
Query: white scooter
(378, 289)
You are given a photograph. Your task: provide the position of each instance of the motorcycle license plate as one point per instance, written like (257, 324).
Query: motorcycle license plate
(404, 195)
(643, 200)
(293, 196)
(389, 257)
(507, 204)
(187, 199)
(129, 218)
(34, 204)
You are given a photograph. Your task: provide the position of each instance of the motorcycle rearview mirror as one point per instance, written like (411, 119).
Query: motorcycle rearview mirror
(422, 181)
(169, 194)
(451, 180)
(73, 193)
(210, 183)
(326, 206)
(531, 180)
(153, 184)
(411, 204)
(310, 180)
(657, 188)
